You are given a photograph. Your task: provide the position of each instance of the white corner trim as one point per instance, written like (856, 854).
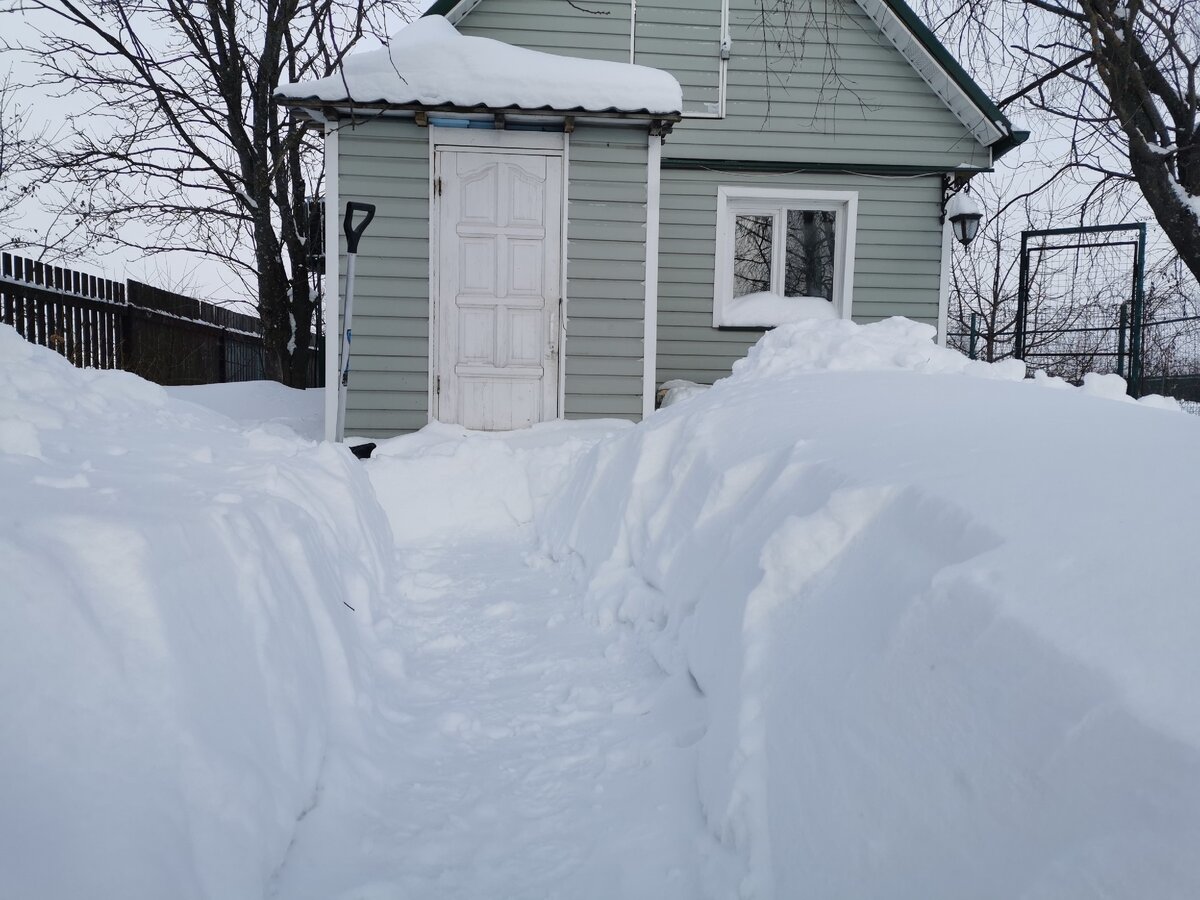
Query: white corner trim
(564, 310)
(943, 318)
(431, 403)
(849, 234)
(731, 199)
(650, 340)
(330, 302)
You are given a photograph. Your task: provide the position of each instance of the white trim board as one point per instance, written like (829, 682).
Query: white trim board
(564, 302)
(331, 300)
(485, 138)
(943, 317)
(650, 313)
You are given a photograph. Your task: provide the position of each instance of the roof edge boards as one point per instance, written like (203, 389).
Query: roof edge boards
(943, 73)
(786, 167)
(453, 10)
(333, 108)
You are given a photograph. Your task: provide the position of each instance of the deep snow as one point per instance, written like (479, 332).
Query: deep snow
(944, 625)
(428, 62)
(177, 657)
(865, 619)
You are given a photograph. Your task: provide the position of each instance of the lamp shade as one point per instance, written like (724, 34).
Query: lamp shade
(964, 215)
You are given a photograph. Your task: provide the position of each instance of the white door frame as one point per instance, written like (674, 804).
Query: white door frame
(539, 142)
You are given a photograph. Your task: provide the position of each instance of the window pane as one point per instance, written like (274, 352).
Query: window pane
(752, 239)
(811, 239)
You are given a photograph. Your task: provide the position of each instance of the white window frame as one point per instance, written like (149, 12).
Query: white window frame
(733, 201)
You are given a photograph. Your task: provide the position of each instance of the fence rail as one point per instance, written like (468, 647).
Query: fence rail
(162, 336)
(1169, 361)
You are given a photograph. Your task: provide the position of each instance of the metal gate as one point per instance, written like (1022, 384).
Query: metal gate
(1080, 301)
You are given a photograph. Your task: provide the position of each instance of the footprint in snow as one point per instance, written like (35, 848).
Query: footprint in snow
(447, 643)
(506, 609)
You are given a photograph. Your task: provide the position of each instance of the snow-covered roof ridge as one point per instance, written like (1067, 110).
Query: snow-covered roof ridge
(428, 63)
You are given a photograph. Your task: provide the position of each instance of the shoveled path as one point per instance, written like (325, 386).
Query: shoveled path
(520, 753)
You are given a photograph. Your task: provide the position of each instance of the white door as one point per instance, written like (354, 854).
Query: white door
(497, 309)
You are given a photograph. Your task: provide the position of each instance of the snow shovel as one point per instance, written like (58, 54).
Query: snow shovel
(354, 233)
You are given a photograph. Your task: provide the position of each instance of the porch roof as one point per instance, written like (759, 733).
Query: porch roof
(429, 65)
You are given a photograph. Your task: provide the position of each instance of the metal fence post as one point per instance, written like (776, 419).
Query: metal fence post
(1137, 313)
(1122, 325)
(1022, 299)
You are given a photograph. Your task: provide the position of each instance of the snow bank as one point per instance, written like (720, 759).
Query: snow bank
(429, 63)
(445, 483)
(177, 649)
(844, 346)
(943, 627)
(254, 403)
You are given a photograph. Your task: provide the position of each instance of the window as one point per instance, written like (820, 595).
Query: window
(783, 256)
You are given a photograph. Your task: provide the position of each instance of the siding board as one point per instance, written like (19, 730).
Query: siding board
(386, 162)
(606, 234)
(897, 261)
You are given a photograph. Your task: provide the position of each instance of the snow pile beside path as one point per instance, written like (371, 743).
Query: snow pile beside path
(844, 346)
(177, 655)
(254, 403)
(448, 484)
(943, 627)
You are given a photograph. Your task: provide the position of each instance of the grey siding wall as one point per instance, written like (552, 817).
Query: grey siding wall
(896, 271)
(387, 163)
(555, 27)
(688, 46)
(816, 83)
(837, 92)
(606, 270)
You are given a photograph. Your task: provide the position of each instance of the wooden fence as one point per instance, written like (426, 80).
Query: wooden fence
(162, 336)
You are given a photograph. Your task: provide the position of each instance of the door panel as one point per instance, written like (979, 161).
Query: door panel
(499, 231)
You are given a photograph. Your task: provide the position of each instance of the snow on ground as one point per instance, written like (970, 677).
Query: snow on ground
(177, 651)
(866, 619)
(255, 403)
(525, 754)
(944, 626)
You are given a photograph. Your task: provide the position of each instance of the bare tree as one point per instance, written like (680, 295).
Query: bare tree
(16, 150)
(1119, 74)
(181, 145)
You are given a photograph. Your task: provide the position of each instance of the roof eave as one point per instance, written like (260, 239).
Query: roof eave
(988, 125)
(350, 107)
(1011, 141)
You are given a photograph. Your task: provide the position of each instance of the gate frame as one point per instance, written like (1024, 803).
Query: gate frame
(1134, 379)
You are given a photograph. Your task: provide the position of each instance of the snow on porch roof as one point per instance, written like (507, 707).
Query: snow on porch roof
(429, 64)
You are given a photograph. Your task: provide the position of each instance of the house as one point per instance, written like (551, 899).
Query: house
(581, 201)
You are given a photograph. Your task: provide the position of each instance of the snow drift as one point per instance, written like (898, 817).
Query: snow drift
(186, 630)
(943, 625)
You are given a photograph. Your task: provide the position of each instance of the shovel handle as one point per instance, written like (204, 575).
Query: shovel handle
(355, 232)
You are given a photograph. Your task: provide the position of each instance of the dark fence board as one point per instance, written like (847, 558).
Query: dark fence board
(162, 336)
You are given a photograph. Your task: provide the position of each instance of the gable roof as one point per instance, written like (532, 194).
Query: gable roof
(923, 51)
